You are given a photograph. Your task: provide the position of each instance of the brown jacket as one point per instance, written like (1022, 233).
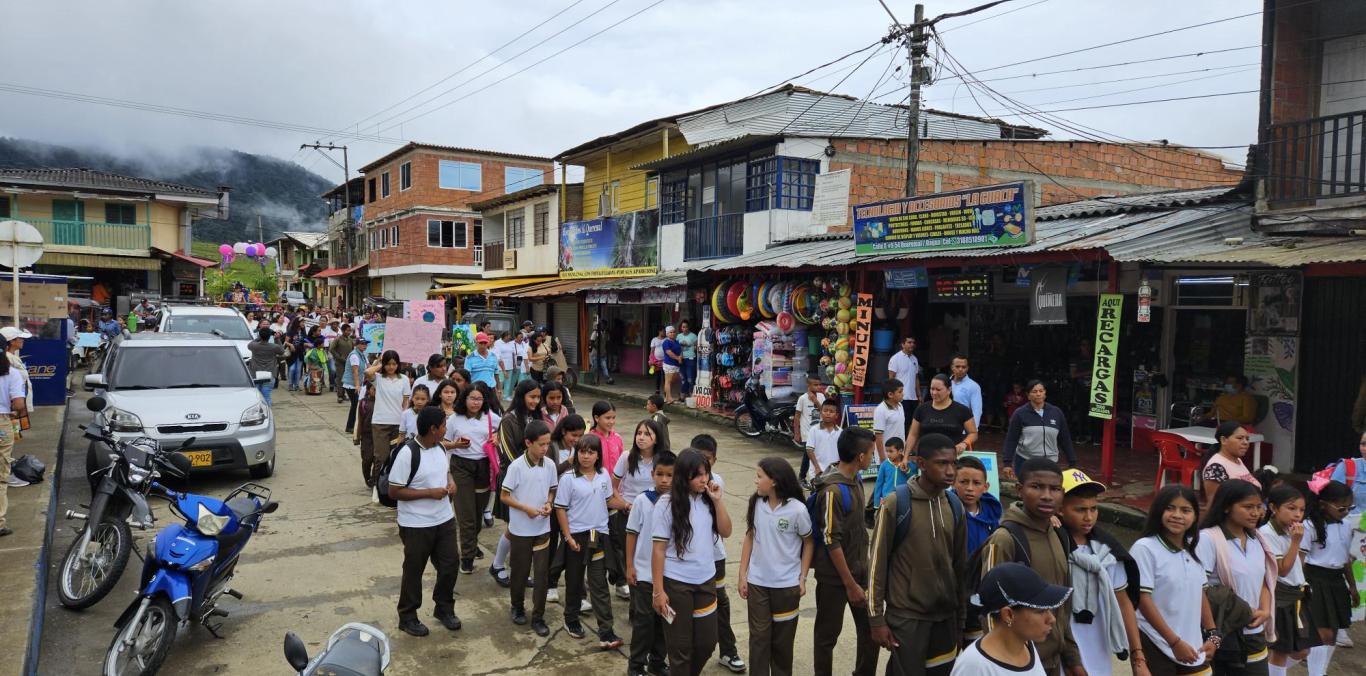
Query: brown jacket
(920, 578)
(1049, 560)
(839, 528)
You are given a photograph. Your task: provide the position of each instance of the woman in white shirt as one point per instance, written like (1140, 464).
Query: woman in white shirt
(392, 390)
(1021, 606)
(1234, 556)
(467, 433)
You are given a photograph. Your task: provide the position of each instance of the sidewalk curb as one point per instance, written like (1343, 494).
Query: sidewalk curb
(1123, 516)
(606, 392)
(35, 633)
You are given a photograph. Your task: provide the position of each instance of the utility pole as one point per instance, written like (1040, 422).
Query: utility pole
(260, 233)
(348, 228)
(917, 56)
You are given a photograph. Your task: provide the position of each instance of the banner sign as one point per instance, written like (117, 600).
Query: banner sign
(701, 390)
(957, 288)
(47, 363)
(907, 278)
(375, 334)
(1107, 356)
(863, 334)
(1048, 297)
(861, 415)
(992, 216)
(413, 339)
(830, 201)
(619, 246)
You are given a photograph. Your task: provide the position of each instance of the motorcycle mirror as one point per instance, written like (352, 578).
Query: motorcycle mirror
(295, 652)
(270, 508)
(188, 443)
(181, 463)
(95, 404)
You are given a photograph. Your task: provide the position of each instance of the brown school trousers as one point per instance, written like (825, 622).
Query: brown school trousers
(647, 630)
(772, 629)
(616, 556)
(420, 545)
(529, 554)
(471, 496)
(691, 637)
(382, 437)
(928, 648)
(831, 600)
(590, 560)
(725, 635)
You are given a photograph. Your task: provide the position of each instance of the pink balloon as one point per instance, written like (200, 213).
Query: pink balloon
(225, 249)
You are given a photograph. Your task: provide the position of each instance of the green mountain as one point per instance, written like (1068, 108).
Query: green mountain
(283, 194)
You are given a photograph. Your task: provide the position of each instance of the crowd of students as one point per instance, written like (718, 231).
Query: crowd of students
(1249, 579)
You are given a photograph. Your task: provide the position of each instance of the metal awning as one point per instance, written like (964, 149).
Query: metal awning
(559, 287)
(99, 261)
(660, 281)
(337, 272)
(486, 285)
(177, 255)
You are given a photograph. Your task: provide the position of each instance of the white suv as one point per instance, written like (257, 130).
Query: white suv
(172, 387)
(224, 322)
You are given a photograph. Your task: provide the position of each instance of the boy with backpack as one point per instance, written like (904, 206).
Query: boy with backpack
(841, 559)
(915, 603)
(1027, 536)
(419, 481)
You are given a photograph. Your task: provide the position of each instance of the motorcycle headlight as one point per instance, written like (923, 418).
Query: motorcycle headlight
(256, 415)
(209, 523)
(123, 421)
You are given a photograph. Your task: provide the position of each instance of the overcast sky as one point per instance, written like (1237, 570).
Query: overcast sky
(333, 64)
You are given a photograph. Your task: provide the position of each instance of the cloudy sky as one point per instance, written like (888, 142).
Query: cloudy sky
(348, 65)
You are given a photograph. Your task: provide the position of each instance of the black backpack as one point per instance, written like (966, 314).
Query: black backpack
(382, 484)
(903, 512)
(973, 622)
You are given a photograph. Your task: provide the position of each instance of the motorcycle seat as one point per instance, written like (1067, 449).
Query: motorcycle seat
(351, 657)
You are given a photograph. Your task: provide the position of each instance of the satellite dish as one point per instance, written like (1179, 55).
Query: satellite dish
(21, 245)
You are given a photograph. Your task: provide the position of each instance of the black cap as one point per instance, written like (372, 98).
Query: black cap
(1015, 584)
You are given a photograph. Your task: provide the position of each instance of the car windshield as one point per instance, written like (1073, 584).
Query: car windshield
(232, 327)
(165, 367)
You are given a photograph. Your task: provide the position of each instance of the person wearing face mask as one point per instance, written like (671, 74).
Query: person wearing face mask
(1236, 403)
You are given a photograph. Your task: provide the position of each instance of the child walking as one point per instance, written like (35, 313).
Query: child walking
(529, 492)
(603, 426)
(889, 419)
(822, 441)
(730, 652)
(893, 471)
(686, 521)
(563, 440)
(1327, 569)
(773, 564)
(647, 627)
(407, 427)
(841, 561)
(1177, 628)
(631, 474)
(1283, 533)
(1234, 556)
(983, 509)
(581, 503)
(654, 407)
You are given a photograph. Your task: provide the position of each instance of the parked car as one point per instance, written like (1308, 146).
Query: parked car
(172, 387)
(224, 322)
(294, 298)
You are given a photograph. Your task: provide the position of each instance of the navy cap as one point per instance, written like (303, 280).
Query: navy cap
(1015, 584)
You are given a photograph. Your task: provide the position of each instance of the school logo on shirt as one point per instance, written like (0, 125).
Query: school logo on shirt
(784, 525)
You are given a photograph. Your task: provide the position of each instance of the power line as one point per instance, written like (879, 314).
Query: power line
(993, 16)
(827, 64)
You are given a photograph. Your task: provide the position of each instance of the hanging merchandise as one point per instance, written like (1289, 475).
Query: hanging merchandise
(733, 299)
(719, 306)
(774, 361)
(744, 303)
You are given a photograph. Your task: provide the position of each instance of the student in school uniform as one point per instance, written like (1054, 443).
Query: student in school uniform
(1328, 570)
(654, 408)
(1022, 608)
(983, 509)
(647, 627)
(773, 564)
(730, 652)
(686, 523)
(1284, 533)
(841, 559)
(889, 419)
(407, 429)
(1177, 628)
(630, 475)
(822, 441)
(1234, 556)
(581, 502)
(914, 586)
(529, 493)
(426, 524)
(564, 438)
(808, 414)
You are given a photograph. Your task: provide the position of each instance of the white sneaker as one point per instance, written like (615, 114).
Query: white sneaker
(552, 595)
(585, 606)
(374, 496)
(16, 482)
(1344, 641)
(623, 591)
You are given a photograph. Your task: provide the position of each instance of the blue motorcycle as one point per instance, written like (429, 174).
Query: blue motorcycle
(185, 572)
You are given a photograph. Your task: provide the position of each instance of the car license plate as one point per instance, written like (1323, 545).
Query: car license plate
(199, 458)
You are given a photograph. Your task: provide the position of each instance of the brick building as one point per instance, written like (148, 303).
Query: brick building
(418, 220)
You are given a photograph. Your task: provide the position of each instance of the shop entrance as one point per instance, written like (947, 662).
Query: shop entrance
(1207, 347)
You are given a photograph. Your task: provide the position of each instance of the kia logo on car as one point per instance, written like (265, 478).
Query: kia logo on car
(192, 416)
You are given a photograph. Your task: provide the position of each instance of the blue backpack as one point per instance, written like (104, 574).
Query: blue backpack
(903, 512)
(813, 507)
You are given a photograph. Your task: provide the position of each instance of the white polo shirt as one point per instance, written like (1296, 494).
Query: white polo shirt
(530, 485)
(809, 412)
(474, 429)
(634, 483)
(584, 500)
(641, 521)
(825, 444)
(890, 422)
(431, 473)
(778, 533)
(1279, 545)
(719, 547)
(1337, 548)
(696, 565)
(1173, 578)
(906, 367)
(1247, 565)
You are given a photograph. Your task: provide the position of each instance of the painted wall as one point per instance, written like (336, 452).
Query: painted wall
(165, 218)
(406, 287)
(531, 259)
(599, 172)
(426, 190)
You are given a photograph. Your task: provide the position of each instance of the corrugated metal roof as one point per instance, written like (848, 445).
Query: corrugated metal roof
(310, 240)
(91, 179)
(1120, 203)
(715, 150)
(660, 281)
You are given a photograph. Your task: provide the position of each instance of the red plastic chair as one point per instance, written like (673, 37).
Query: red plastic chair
(1175, 454)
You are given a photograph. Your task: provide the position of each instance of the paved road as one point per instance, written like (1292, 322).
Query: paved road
(329, 556)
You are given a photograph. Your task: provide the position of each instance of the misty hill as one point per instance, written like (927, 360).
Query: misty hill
(284, 194)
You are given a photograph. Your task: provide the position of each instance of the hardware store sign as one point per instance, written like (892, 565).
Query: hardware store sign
(993, 216)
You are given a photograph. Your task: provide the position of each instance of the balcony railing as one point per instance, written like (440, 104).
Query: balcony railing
(479, 255)
(493, 255)
(94, 234)
(714, 237)
(1323, 157)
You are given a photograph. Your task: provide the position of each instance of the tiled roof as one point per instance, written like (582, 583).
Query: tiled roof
(92, 179)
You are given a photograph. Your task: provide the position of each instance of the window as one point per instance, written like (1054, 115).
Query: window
(674, 200)
(124, 214)
(4, 207)
(651, 192)
(446, 234)
(477, 233)
(460, 176)
(541, 221)
(371, 186)
(384, 238)
(520, 178)
(374, 240)
(384, 184)
(516, 230)
(405, 176)
(393, 236)
(792, 182)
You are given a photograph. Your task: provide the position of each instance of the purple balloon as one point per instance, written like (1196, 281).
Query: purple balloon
(251, 250)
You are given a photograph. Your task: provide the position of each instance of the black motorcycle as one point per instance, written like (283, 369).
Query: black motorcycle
(355, 649)
(758, 416)
(120, 482)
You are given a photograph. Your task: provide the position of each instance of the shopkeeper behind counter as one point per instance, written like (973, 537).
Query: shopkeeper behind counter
(1236, 403)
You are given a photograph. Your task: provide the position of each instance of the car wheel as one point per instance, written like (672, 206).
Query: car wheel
(263, 470)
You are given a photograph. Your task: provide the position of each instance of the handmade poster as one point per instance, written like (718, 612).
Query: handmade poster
(462, 338)
(413, 339)
(375, 334)
(1107, 356)
(430, 311)
(87, 340)
(988, 459)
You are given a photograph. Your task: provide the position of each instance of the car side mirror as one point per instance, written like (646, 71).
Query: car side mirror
(94, 381)
(95, 404)
(295, 652)
(263, 377)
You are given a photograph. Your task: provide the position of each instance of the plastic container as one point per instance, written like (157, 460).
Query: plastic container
(884, 340)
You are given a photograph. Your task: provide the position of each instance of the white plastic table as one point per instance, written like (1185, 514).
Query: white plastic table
(1205, 435)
